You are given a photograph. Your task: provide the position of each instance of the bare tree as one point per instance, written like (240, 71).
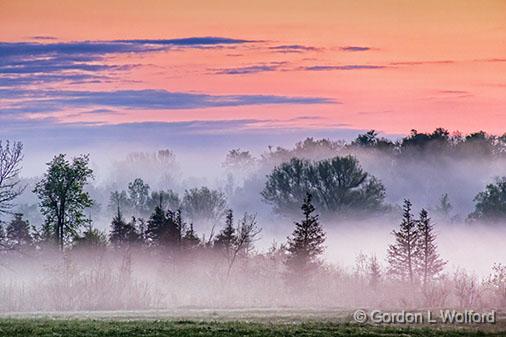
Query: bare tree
(247, 232)
(10, 166)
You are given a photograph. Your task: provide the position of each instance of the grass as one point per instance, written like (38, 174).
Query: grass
(72, 327)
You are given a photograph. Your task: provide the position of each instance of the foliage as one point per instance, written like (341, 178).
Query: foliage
(338, 186)
(18, 233)
(62, 198)
(491, 204)
(138, 193)
(204, 204)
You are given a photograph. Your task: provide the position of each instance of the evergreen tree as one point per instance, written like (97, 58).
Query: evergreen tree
(429, 264)
(165, 229)
(18, 233)
(305, 245)
(190, 239)
(156, 226)
(401, 254)
(226, 239)
(123, 234)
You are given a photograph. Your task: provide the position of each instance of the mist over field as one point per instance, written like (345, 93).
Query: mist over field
(234, 216)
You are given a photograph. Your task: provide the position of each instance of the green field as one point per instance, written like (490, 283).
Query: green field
(78, 328)
(219, 324)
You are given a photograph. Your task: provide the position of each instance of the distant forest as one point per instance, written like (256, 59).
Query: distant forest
(196, 236)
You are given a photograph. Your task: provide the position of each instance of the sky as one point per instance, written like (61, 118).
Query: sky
(221, 73)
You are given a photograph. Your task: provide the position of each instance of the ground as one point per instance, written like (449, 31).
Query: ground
(222, 323)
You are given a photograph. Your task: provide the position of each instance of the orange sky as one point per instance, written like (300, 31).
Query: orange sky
(429, 63)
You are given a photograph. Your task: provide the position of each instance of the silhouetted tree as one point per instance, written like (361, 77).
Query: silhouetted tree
(491, 204)
(401, 254)
(338, 185)
(62, 198)
(123, 234)
(428, 262)
(305, 245)
(10, 166)
(226, 239)
(368, 139)
(164, 229)
(18, 233)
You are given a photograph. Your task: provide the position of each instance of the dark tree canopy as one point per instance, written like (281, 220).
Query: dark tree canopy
(62, 198)
(338, 186)
(491, 204)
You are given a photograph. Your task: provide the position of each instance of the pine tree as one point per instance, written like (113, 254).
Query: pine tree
(18, 233)
(123, 234)
(305, 245)
(429, 264)
(401, 254)
(156, 226)
(226, 239)
(164, 229)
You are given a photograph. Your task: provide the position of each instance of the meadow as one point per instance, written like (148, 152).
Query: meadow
(223, 323)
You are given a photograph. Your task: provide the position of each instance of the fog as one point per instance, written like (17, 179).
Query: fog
(105, 278)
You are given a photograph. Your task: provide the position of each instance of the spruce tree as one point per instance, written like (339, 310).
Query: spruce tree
(164, 229)
(156, 226)
(123, 234)
(429, 264)
(226, 239)
(18, 233)
(401, 254)
(305, 245)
